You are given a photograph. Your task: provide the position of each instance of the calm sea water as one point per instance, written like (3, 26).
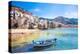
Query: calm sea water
(67, 38)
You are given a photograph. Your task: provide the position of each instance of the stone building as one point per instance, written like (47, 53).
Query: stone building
(20, 18)
(43, 23)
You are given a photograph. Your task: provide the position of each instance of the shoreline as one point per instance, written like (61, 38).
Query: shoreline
(18, 38)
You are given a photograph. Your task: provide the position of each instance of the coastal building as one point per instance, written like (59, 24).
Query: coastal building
(22, 18)
(57, 24)
(12, 19)
(36, 21)
(43, 23)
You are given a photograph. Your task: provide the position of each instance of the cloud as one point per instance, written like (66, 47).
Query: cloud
(71, 14)
(36, 10)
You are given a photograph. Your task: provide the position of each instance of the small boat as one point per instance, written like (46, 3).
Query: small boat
(46, 43)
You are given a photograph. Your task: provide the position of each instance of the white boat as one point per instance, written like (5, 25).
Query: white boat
(44, 43)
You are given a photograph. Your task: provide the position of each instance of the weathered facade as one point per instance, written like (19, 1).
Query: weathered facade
(21, 18)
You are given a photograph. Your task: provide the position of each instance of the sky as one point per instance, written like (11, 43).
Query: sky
(48, 10)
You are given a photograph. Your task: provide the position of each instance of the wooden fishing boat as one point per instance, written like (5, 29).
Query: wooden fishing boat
(46, 43)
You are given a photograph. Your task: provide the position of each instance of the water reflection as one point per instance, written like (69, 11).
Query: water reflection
(67, 38)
